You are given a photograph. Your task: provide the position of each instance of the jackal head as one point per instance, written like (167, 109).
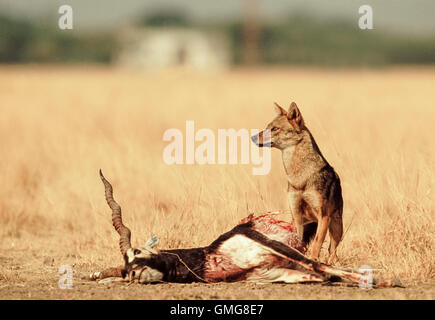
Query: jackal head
(284, 131)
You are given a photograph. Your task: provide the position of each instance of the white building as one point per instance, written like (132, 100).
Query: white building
(158, 48)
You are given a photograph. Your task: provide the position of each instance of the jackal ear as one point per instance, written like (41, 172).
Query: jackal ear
(294, 115)
(279, 110)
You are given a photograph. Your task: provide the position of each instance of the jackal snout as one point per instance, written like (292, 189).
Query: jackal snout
(284, 131)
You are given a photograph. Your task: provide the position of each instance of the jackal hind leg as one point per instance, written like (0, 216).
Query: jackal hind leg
(322, 229)
(335, 235)
(317, 207)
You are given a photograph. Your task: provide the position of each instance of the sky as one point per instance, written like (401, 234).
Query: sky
(408, 16)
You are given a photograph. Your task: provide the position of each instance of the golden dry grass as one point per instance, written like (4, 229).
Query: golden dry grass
(58, 126)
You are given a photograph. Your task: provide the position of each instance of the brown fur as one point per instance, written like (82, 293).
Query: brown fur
(314, 189)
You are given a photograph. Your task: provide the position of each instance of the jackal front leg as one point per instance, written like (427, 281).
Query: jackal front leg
(294, 199)
(315, 201)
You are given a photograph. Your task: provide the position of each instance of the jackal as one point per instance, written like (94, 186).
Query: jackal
(314, 189)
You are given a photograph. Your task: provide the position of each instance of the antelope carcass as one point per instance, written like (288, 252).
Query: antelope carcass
(260, 249)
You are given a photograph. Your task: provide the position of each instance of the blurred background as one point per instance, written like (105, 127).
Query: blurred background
(205, 34)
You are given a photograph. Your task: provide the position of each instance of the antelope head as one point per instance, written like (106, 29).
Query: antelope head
(138, 262)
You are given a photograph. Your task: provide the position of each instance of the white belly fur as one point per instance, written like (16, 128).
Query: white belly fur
(244, 252)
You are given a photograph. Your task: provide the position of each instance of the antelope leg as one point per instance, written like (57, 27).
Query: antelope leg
(111, 280)
(265, 275)
(296, 257)
(108, 273)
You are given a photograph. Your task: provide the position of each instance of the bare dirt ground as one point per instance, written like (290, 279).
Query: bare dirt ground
(31, 274)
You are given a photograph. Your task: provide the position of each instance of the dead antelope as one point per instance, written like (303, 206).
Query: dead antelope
(259, 249)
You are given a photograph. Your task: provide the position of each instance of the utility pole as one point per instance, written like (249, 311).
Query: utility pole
(251, 32)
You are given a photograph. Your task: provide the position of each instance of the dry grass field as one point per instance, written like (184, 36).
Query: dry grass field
(59, 125)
